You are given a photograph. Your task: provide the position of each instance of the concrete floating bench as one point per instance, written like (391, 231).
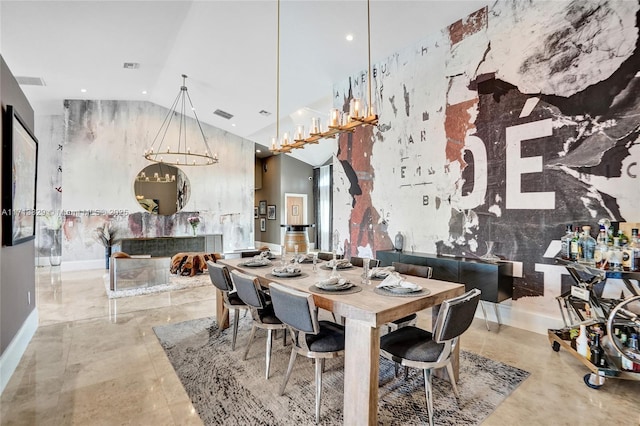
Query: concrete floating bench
(136, 272)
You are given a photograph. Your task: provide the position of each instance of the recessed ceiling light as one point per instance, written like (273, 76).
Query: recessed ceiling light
(233, 124)
(83, 90)
(349, 37)
(258, 151)
(144, 92)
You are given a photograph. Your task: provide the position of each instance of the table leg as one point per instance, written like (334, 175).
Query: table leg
(361, 369)
(455, 356)
(222, 314)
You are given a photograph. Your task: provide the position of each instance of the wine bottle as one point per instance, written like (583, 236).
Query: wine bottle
(588, 245)
(632, 343)
(574, 247)
(600, 255)
(597, 353)
(565, 243)
(634, 246)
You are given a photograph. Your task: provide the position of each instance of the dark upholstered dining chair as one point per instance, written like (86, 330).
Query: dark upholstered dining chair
(250, 292)
(250, 253)
(311, 338)
(414, 347)
(416, 271)
(221, 279)
(323, 255)
(359, 261)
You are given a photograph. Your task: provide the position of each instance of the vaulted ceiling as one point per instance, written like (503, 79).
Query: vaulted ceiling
(227, 48)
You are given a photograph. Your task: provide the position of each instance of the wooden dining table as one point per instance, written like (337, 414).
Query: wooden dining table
(364, 314)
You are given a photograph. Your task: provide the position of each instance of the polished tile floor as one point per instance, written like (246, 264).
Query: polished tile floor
(97, 362)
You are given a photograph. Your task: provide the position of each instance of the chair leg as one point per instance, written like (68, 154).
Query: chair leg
(429, 394)
(253, 333)
(452, 379)
(319, 369)
(236, 315)
(268, 355)
(292, 361)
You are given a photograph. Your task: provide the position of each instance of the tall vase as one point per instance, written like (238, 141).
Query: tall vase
(55, 252)
(54, 256)
(107, 256)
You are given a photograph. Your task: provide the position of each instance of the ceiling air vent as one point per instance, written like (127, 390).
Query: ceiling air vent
(131, 65)
(30, 81)
(223, 114)
(264, 113)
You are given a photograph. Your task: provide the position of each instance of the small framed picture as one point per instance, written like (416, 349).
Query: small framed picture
(255, 212)
(263, 224)
(271, 212)
(262, 207)
(294, 210)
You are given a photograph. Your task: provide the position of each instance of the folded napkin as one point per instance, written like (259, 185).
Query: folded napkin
(396, 281)
(339, 263)
(266, 254)
(286, 270)
(257, 260)
(333, 283)
(381, 272)
(303, 257)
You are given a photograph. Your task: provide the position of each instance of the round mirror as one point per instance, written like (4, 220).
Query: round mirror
(162, 189)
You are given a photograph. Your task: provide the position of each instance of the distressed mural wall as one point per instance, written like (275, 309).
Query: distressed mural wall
(505, 126)
(98, 154)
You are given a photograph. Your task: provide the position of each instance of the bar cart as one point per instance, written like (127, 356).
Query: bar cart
(584, 304)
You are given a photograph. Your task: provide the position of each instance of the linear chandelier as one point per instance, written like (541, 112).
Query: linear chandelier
(339, 121)
(181, 153)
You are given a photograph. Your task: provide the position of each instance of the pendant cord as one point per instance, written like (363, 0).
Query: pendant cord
(369, 53)
(278, 80)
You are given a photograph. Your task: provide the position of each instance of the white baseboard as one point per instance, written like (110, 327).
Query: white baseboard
(81, 265)
(11, 356)
(514, 317)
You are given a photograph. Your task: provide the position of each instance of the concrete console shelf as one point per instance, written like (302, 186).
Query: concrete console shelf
(169, 246)
(493, 279)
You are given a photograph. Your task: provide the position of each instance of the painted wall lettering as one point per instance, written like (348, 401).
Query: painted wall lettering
(517, 165)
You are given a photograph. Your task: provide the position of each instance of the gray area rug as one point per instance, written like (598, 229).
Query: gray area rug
(226, 390)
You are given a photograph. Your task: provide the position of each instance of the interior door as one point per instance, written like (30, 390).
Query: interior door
(295, 210)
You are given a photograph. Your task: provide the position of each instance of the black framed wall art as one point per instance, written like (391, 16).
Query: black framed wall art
(19, 168)
(271, 212)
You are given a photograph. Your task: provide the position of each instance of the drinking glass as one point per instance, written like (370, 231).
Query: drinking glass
(365, 271)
